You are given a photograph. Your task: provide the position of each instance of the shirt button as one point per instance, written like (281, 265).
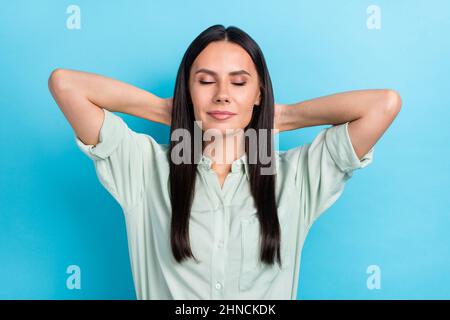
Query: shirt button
(218, 285)
(220, 244)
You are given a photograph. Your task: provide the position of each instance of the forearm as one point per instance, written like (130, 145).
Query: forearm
(333, 109)
(116, 96)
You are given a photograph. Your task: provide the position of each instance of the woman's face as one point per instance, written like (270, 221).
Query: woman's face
(223, 77)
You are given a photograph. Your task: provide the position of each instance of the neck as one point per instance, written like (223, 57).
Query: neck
(225, 149)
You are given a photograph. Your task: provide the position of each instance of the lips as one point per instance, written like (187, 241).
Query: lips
(221, 115)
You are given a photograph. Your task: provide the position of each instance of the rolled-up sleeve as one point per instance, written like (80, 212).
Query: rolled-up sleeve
(119, 159)
(323, 167)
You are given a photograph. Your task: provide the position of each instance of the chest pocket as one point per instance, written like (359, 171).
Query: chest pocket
(252, 269)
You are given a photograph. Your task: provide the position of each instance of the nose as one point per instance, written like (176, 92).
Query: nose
(222, 98)
(222, 95)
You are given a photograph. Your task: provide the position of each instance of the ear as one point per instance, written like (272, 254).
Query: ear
(258, 99)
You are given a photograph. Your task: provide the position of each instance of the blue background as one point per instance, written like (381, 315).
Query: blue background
(393, 213)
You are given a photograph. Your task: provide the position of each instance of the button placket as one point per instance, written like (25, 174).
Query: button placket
(218, 256)
(221, 221)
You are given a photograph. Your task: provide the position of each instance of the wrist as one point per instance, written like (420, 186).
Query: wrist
(166, 110)
(283, 117)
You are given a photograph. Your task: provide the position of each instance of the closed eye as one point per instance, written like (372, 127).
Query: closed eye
(235, 83)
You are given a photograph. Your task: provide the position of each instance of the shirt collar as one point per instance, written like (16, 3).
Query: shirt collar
(237, 165)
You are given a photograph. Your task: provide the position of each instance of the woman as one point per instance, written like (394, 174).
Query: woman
(199, 227)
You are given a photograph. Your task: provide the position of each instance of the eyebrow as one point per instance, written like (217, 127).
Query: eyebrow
(232, 73)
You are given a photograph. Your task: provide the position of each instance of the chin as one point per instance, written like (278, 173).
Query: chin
(224, 129)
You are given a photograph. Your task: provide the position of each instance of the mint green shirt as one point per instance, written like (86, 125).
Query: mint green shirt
(223, 228)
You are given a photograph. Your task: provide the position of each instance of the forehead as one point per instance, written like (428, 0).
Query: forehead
(224, 57)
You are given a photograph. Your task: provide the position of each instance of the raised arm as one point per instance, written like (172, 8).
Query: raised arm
(369, 113)
(81, 95)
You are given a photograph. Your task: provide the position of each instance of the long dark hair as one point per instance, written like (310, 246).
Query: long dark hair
(182, 177)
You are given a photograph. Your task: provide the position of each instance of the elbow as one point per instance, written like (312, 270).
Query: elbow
(392, 102)
(58, 80)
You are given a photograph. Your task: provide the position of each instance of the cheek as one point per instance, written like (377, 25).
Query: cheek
(201, 97)
(246, 99)
(199, 115)
(245, 116)
(199, 104)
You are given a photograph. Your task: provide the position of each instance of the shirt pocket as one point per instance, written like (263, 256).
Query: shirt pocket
(253, 272)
